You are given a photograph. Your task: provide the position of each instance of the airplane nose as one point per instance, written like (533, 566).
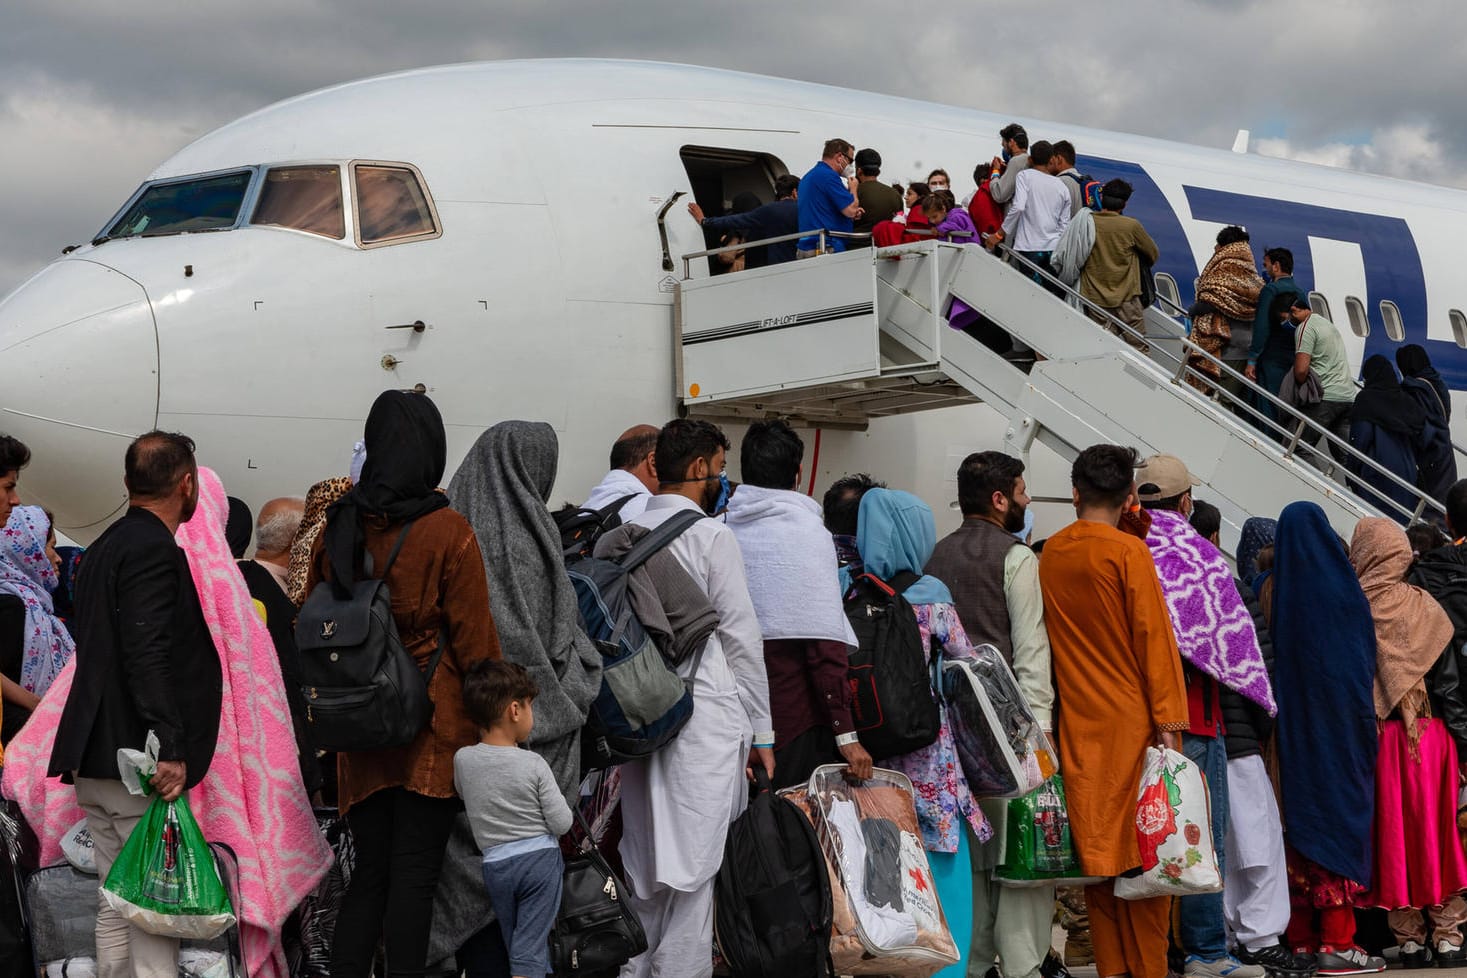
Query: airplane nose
(80, 363)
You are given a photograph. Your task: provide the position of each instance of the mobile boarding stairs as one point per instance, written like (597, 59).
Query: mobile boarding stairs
(840, 339)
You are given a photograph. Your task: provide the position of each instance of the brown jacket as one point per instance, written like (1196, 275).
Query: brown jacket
(438, 581)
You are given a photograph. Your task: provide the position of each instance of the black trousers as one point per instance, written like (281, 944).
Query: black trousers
(797, 760)
(400, 838)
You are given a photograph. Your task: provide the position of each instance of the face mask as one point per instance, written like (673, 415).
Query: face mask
(1006, 155)
(849, 171)
(722, 500)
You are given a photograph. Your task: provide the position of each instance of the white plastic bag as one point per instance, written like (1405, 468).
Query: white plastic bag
(77, 847)
(1174, 829)
(135, 767)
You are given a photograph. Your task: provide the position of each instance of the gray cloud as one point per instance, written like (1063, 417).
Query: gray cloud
(93, 101)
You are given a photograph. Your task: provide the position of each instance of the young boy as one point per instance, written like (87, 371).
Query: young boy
(515, 810)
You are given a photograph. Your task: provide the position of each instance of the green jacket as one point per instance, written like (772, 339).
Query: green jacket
(1270, 341)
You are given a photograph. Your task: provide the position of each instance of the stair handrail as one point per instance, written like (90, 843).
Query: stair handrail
(821, 233)
(1293, 437)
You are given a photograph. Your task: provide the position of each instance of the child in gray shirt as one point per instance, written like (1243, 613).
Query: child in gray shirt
(516, 812)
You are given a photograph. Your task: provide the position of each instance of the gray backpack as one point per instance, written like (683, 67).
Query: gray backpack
(363, 689)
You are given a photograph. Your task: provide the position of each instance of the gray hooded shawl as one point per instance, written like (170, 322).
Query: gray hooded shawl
(502, 488)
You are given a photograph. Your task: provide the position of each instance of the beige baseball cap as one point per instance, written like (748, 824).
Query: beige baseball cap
(1168, 473)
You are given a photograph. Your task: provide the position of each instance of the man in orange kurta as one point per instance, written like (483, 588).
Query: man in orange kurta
(1118, 677)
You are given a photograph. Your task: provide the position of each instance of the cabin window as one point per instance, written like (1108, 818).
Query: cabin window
(1320, 305)
(209, 203)
(1355, 309)
(304, 198)
(1391, 314)
(1459, 327)
(392, 205)
(719, 175)
(1166, 289)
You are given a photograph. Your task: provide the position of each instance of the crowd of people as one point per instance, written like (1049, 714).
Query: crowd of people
(1033, 202)
(1316, 685)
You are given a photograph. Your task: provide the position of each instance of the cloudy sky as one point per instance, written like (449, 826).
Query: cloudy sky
(93, 96)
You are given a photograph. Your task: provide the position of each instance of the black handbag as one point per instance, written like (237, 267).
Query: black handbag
(595, 931)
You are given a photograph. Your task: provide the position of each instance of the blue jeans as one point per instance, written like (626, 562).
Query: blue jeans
(525, 892)
(1201, 930)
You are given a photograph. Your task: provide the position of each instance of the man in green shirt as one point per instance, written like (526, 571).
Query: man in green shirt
(1318, 346)
(1111, 277)
(879, 200)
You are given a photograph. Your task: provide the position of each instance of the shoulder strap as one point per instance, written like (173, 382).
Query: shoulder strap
(659, 538)
(391, 557)
(614, 508)
(900, 582)
(435, 659)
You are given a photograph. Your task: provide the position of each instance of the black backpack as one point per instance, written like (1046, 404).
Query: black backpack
(362, 687)
(581, 528)
(771, 899)
(893, 706)
(595, 930)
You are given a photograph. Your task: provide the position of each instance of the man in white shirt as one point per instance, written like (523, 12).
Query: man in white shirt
(677, 805)
(633, 476)
(1038, 214)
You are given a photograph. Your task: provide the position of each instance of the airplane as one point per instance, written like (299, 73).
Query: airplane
(501, 235)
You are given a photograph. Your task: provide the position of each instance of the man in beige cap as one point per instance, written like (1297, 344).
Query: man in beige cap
(1165, 479)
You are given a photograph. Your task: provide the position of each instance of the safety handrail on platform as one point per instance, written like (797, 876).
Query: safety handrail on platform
(822, 234)
(1292, 437)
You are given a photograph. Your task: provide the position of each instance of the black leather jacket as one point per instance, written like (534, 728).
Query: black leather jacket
(1246, 723)
(1443, 574)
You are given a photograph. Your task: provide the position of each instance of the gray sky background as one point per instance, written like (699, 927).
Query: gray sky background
(93, 96)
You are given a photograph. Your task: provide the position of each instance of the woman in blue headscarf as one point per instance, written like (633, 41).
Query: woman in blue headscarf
(895, 534)
(1324, 667)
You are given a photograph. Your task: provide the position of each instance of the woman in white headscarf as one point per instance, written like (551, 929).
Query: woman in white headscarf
(31, 659)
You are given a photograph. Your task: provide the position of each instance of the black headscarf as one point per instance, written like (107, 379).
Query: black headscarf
(1384, 404)
(1414, 362)
(239, 527)
(407, 451)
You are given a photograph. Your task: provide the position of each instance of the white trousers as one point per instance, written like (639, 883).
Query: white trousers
(1256, 880)
(123, 951)
(679, 928)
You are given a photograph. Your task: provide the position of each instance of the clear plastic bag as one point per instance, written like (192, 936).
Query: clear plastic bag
(888, 919)
(1001, 746)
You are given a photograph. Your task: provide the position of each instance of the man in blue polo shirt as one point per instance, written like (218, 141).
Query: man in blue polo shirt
(828, 199)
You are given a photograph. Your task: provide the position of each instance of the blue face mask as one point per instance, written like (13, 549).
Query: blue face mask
(723, 493)
(1006, 155)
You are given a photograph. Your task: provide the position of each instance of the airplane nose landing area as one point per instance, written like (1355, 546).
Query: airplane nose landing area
(80, 355)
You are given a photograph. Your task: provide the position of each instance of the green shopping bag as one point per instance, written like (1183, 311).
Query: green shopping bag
(1038, 848)
(165, 880)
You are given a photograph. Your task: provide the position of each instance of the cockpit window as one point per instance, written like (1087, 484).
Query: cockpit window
(391, 204)
(306, 198)
(200, 204)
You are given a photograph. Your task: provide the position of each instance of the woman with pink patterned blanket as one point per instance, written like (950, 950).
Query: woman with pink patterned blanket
(252, 798)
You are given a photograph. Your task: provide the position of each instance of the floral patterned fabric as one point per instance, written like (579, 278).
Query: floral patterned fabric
(26, 572)
(940, 790)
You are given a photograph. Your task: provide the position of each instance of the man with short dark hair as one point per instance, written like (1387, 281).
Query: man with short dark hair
(828, 199)
(1271, 354)
(14, 456)
(765, 221)
(1118, 673)
(1038, 214)
(677, 804)
(841, 507)
(879, 201)
(790, 564)
(1318, 346)
(145, 664)
(994, 580)
(1062, 165)
(1004, 171)
(1219, 649)
(1112, 275)
(633, 476)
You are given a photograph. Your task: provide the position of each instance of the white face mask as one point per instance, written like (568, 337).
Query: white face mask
(849, 171)
(936, 186)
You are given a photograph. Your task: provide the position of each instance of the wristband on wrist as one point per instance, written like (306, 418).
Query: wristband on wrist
(768, 746)
(846, 738)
